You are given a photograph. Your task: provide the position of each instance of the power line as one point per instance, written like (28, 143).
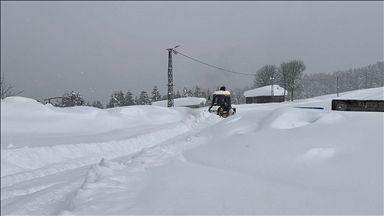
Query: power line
(330, 78)
(245, 74)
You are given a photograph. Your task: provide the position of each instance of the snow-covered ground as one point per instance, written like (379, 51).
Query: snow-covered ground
(267, 159)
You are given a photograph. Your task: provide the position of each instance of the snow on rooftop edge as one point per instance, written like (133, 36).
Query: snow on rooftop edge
(265, 91)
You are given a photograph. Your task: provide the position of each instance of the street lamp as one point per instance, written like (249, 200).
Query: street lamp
(170, 75)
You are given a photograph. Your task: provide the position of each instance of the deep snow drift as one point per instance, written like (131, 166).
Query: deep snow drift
(267, 159)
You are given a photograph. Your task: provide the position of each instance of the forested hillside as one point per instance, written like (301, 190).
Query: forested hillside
(312, 85)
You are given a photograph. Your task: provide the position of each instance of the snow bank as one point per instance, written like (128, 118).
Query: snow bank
(309, 160)
(262, 161)
(365, 94)
(38, 139)
(182, 102)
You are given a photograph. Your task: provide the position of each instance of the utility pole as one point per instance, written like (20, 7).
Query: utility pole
(337, 81)
(272, 89)
(170, 75)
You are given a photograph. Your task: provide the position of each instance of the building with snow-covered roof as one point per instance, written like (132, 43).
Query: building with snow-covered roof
(191, 102)
(264, 94)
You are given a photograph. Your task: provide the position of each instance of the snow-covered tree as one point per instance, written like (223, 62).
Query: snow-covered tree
(155, 96)
(129, 101)
(204, 94)
(197, 92)
(209, 93)
(177, 95)
(144, 98)
(113, 102)
(136, 101)
(190, 93)
(98, 104)
(117, 99)
(185, 92)
(71, 99)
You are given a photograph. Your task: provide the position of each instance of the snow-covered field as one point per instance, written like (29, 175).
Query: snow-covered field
(267, 159)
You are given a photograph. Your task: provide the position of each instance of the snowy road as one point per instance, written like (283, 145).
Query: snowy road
(48, 188)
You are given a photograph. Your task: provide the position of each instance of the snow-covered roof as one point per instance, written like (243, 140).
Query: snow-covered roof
(222, 92)
(181, 102)
(265, 91)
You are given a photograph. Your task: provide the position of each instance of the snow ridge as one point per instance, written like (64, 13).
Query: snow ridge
(60, 158)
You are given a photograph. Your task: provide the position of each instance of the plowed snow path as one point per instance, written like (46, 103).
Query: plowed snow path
(48, 188)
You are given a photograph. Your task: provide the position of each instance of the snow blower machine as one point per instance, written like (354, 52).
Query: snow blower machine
(221, 103)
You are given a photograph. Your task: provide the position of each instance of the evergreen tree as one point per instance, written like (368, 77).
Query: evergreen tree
(178, 94)
(209, 94)
(204, 94)
(129, 101)
(197, 92)
(88, 103)
(56, 104)
(113, 102)
(72, 99)
(120, 98)
(144, 98)
(190, 93)
(97, 104)
(117, 99)
(155, 95)
(185, 92)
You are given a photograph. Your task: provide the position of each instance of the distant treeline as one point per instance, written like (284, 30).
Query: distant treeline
(312, 85)
(305, 86)
(119, 98)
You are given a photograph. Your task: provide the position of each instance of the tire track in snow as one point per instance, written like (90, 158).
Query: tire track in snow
(110, 175)
(28, 190)
(85, 154)
(45, 200)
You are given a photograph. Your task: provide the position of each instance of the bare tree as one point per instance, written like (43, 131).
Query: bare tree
(284, 72)
(291, 73)
(7, 89)
(265, 76)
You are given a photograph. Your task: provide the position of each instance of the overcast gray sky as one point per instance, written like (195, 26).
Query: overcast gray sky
(95, 48)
